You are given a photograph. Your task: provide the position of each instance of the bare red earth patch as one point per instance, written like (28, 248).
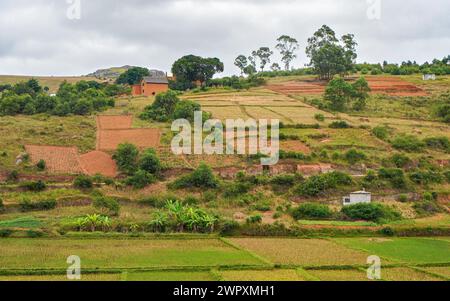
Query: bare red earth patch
(97, 162)
(294, 146)
(379, 85)
(143, 138)
(120, 122)
(58, 159)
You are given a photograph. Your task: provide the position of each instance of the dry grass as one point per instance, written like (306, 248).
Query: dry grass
(304, 252)
(405, 274)
(339, 275)
(265, 275)
(443, 271)
(88, 277)
(52, 82)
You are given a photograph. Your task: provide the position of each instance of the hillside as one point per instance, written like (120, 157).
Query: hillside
(110, 73)
(52, 82)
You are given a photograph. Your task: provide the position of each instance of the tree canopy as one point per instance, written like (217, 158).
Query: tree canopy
(193, 68)
(133, 76)
(287, 47)
(329, 55)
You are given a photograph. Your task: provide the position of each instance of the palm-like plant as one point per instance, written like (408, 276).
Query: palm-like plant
(159, 221)
(93, 220)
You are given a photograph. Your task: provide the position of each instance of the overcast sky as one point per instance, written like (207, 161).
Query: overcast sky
(38, 38)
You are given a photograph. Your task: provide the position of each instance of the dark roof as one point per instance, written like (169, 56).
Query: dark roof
(156, 77)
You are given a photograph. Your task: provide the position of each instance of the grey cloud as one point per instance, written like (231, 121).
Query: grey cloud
(40, 39)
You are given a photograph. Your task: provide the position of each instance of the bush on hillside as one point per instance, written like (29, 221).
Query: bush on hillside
(339, 125)
(126, 157)
(150, 162)
(395, 176)
(311, 211)
(370, 212)
(381, 132)
(408, 143)
(35, 186)
(27, 205)
(83, 182)
(426, 177)
(41, 165)
(438, 143)
(202, 177)
(354, 156)
(400, 160)
(317, 185)
(107, 205)
(140, 179)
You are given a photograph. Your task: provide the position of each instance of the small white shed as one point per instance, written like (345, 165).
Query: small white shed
(358, 197)
(429, 77)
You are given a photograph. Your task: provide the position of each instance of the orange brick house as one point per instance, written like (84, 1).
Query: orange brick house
(151, 85)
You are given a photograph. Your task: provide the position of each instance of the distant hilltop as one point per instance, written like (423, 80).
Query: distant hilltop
(110, 73)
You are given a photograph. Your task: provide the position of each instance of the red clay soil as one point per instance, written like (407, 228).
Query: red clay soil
(97, 162)
(294, 146)
(379, 85)
(143, 138)
(58, 159)
(121, 122)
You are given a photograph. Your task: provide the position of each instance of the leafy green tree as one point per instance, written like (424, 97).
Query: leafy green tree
(193, 68)
(126, 157)
(338, 93)
(186, 109)
(241, 62)
(133, 76)
(361, 93)
(287, 47)
(140, 179)
(263, 54)
(327, 54)
(150, 162)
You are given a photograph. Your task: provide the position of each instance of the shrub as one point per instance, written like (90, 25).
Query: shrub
(126, 157)
(83, 182)
(236, 189)
(13, 176)
(41, 165)
(403, 198)
(150, 162)
(254, 219)
(370, 212)
(110, 205)
(190, 200)
(202, 177)
(426, 177)
(34, 234)
(153, 201)
(285, 180)
(185, 110)
(400, 160)
(395, 176)
(34, 186)
(408, 143)
(447, 175)
(339, 125)
(319, 117)
(44, 205)
(311, 211)
(264, 206)
(5, 233)
(426, 208)
(140, 179)
(316, 185)
(439, 143)
(354, 156)
(381, 132)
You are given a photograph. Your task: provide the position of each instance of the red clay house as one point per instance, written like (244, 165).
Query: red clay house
(151, 85)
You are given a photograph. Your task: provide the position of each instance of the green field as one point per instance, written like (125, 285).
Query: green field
(243, 259)
(408, 250)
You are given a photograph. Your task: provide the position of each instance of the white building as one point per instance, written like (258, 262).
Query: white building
(429, 77)
(358, 197)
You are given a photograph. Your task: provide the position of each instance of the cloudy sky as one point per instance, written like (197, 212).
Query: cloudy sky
(45, 37)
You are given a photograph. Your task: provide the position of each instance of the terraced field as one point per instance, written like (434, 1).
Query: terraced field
(212, 259)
